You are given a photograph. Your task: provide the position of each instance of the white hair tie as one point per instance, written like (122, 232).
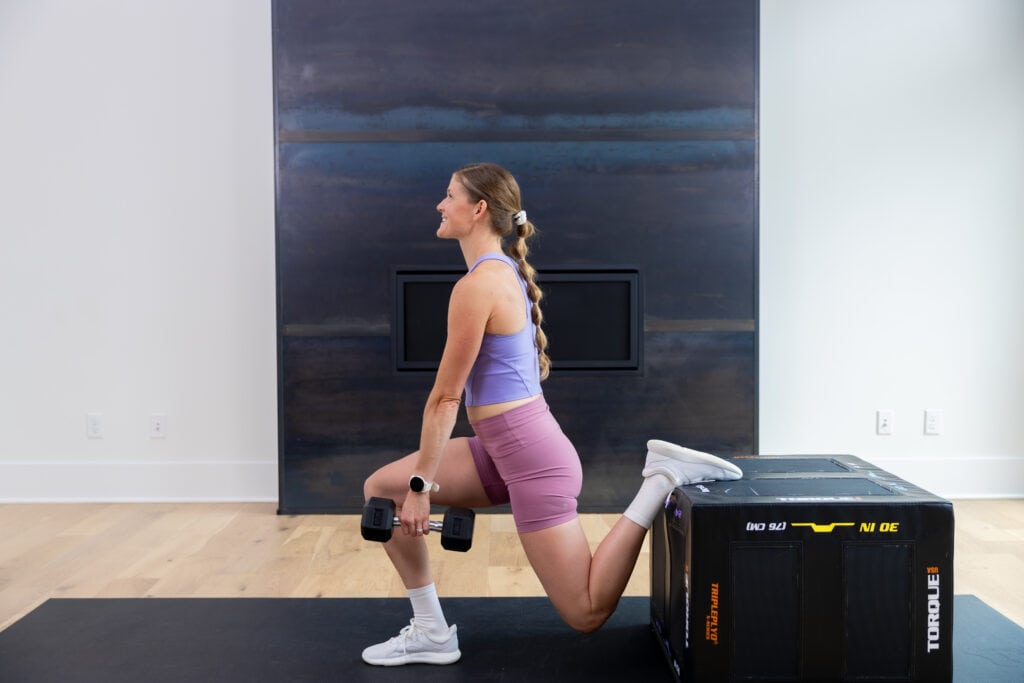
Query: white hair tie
(519, 218)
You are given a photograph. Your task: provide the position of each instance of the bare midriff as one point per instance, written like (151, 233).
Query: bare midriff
(477, 413)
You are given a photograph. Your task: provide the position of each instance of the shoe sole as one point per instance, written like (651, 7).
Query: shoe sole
(418, 658)
(677, 452)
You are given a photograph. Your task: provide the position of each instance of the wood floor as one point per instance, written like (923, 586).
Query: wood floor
(246, 550)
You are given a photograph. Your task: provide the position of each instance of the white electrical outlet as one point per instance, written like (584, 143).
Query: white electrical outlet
(932, 421)
(883, 422)
(158, 425)
(94, 425)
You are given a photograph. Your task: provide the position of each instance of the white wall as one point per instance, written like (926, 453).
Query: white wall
(137, 250)
(137, 271)
(892, 235)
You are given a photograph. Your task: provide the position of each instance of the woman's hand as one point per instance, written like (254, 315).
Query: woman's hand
(415, 513)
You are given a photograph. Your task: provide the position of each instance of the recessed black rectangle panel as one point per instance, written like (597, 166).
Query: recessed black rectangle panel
(593, 317)
(766, 611)
(877, 618)
(810, 487)
(783, 465)
(421, 317)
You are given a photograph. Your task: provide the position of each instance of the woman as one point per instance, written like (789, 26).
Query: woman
(495, 353)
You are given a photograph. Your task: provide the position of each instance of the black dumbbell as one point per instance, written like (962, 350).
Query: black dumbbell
(379, 521)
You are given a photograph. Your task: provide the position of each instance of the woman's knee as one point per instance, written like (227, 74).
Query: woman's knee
(391, 480)
(587, 621)
(375, 485)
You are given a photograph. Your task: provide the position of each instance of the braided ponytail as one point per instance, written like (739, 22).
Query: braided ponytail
(518, 251)
(501, 191)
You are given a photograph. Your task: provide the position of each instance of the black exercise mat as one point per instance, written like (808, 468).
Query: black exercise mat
(243, 639)
(502, 639)
(987, 647)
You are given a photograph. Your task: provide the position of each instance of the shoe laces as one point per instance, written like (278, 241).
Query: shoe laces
(407, 632)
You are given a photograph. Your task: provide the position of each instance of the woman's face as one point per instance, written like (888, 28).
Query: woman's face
(457, 211)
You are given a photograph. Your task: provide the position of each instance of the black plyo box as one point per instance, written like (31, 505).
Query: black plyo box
(809, 568)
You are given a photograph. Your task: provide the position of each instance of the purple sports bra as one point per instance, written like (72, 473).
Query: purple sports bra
(506, 368)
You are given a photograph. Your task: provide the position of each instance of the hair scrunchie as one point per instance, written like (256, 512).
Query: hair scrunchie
(519, 218)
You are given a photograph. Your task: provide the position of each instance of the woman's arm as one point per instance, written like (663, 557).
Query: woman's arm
(469, 309)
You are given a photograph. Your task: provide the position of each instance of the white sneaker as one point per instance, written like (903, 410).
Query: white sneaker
(413, 645)
(686, 466)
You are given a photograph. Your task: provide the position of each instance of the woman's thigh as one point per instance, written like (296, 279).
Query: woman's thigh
(456, 476)
(561, 558)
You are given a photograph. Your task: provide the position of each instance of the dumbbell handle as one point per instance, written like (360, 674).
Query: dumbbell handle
(434, 526)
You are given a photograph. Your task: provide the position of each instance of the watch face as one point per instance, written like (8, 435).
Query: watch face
(417, 484)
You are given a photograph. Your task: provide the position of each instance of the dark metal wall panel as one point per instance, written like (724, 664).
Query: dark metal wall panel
(632, 132)
(683, 211)
(346, 414)
(533, 65)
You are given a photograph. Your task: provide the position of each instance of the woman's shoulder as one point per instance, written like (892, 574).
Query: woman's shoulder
(477, 282)
(484, 282)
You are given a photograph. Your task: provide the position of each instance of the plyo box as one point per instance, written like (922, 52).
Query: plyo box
(809, 568)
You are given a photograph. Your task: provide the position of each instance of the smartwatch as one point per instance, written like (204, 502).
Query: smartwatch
(418, 484)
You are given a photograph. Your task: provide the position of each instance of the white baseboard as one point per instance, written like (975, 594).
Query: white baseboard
(137, 482)
(74, 482)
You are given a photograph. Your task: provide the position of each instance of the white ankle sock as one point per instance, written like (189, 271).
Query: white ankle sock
(426, 609)
(649, 500)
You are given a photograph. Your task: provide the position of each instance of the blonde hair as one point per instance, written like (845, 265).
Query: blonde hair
(499, 189)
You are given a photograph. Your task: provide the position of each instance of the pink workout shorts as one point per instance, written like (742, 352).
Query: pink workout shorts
(523, 458)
